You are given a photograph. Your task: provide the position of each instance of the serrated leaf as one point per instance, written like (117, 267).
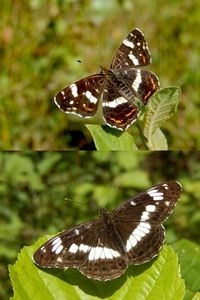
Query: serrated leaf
(161, 107)
(189, 259)
(106, 138)
(163, 280)
(196, 296)
(157, 141)
(158, 279)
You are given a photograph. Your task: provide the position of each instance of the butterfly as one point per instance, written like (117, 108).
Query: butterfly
(103, 249)
(121, 89)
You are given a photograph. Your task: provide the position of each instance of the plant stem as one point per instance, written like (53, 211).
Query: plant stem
(137, 123)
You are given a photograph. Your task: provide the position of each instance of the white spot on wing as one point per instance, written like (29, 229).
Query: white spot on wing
(63, 94)
(146, 225)
(140, 231)
(150, 208)
(116, 102)
(132, 203)
(56, 243)
(131, 243)
(155, 194)
(84, 248)
(145, 216)
(102, 253)
(133, 58)
(76, 231)
(59, 259)
(73, 248)
(56, 240)
(43, 249)
(157, 198)
(128, 43)
(59, 249)
(137, 81)
(74, 90)
(90, 97)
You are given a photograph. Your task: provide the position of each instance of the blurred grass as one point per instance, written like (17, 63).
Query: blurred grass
(40, 42)
(45, 192)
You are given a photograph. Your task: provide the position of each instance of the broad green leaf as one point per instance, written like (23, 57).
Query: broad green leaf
(141, 178)
(157, 141)
(189, 259)
(161, 107)
(158, 279)
(107, 138)
(196, 296)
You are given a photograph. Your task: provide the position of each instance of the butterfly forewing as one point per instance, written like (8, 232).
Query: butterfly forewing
(60, 251)
(81, 98)
(119, 87)
(103, 249)
(132, 52)
(162, 198)
(139, 220)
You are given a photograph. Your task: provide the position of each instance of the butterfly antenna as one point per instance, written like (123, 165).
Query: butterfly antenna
(74, 201)
(88, 63)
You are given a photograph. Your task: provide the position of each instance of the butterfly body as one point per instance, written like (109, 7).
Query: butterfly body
(103, 249)
(117, 88)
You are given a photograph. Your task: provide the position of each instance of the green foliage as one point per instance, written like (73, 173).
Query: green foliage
(161, 107)
(157, 280)
(106, 138)
(189, 259)
(39, 52)
(196, 296)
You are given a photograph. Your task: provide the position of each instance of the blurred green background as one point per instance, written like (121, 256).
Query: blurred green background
(41, 41)
(45, 192)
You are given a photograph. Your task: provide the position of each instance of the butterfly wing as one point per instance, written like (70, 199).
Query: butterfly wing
(120, 97)
(62, 250)
(143, 83)
(118, 110)
(86, 247)
(81, 98)
(139, 220)
(132, 52)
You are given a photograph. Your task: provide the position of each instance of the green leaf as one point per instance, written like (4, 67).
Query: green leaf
(189, 259)
(107, 138)
(196, 296)
(158, 279)
(161, 107)
(157, 141)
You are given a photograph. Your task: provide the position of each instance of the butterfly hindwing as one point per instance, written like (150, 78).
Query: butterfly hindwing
(122, 98)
